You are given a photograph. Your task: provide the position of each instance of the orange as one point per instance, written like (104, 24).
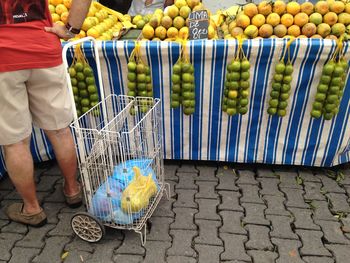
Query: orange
(265, 31)
(294, 30)
(330, 18)
(301, 19)
(236, 31)
(279, 7)
(321, 7)
(160, 32)
(67, 3)
(347, 8)
(64, 17)
(60, 9)
(323, 29)
(264, 8)
(317, 36)
(55, 17)
(258, 20)
(287, 20)
(56, 2)
(250, 10)
(337, 7)
(273, 19)
(307, 8)
(309, 29)
(280, 30)
(293, 8)
(243, 21)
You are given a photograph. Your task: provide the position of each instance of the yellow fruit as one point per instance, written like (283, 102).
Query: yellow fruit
(302, 36)
(179, 22)
(60, 23)
(309, 29)
(193, 3)
(243, 21)
(167, 22)
(172, 32)
(279, 7)
(293, 8)
(67, 3)
(171, 11)
(273, 19)
(148, 32)
(264, 8)
(258, 20)
(266, 31)
(287, 20)
(337, 7)
(330, 18)
(81, 34)
(307, 8)
(251, 31)
(231, 26)
(293, 30)
(347, 8)
(338, 29)
(301, 19)
(323, 29)
(92, 11)
(185, 11)
(344, 18)
(332, 37)
(160, 32)
(55, 17)
(136, 19)
(317, 36)
(321, 7)
(64, 17)
(280, 30)
(52, 9)
(250, 10)
(60, 9)
(127, 17)
(184, 33)
(93, 32)
(180, 3)
(159, 12)
(316, 18)
(235, 32)
(56, 2)
(100, 28)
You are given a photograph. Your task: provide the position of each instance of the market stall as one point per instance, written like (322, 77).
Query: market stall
(210, 134)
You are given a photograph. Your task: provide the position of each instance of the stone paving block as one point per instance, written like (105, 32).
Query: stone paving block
(347, 189)
(185, 198)
(254, 214)
(250, 194)
(232, 223)
(186, 181)
(288, 179)
(230, 201)
(287, 250)
(281, 227)
(164, 208)
(103, 251)
(156, 251)
(339, 203)
(332, 232)
(127, 258)
(208, 253)
(172, 185)
(346, 173)
(14, 227)
(295, 198)
(308, 176)
(237, 242)
(4, 193)
(263, 256)
(208, 233)
(246, 177)
(302, 219)
(182, 243)
(52, 210)
(23, 255)
(275, 205)
(6, 184)
(78, 244)
(7, 241)
(63, 228)
(259, 238)
(184, 218)
(160, 229)
(269, 186)
(180, 259)
(318, 260)
(207, 209)
(313, 191)
(265, 173)
(187, 168)
(77, 256)
(206, 190)
(131, 244)
(346, 224)
(227, 180)
(52, 251)
(35, 238)
(207, 173)
(4, 223)
(340, 252)
(330, 185)
(312, 243)
(15, 196)
(56, 196)
(321, 211)
(53, 170)
(170, 172)
(47, 183)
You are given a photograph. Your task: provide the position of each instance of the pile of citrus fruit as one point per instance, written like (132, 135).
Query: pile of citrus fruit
(326, 19)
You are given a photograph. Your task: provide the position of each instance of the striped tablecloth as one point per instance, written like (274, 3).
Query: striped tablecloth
(211, 134)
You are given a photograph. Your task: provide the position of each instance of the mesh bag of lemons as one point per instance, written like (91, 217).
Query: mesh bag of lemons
(83, 83)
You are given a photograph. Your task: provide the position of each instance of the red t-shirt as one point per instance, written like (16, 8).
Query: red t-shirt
(24, 44)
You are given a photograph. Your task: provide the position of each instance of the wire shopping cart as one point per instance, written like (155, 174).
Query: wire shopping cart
(120, 157)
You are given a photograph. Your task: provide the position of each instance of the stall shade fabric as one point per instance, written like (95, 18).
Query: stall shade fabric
(210, 134)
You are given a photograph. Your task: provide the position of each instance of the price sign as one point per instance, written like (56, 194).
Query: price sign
(199, 22)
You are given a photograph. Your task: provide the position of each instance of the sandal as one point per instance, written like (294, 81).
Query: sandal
(15, 213)
(74, 201)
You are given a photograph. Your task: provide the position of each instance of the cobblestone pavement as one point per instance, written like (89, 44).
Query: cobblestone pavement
(216, 213)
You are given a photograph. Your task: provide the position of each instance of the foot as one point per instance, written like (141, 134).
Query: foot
(74, 200)
(15, 213)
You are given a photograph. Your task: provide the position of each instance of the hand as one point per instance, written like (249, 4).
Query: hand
(60, 30)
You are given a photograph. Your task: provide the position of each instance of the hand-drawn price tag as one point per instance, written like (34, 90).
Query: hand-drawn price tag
(199, 22)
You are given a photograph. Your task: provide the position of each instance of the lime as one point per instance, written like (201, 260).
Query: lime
(92, 89)
(189, 111)
(175, 96)
(244, 93)
(175, 104)
(284, 96)
(141, 86)
(231, 103)
(335, 111)
(88, 72)
(143, 93)
(325, 79)
(332, 98)
(131, 85)
(226, 92)
(336, 81)
(234, 76)
(176, 79)
(280, 67)
(80, 76)
(289, 69)
(341, 93)
(94, 97)
(234, 85)
(320, 97)
(85, 102)
(236, 65)
(150, 93)
(75, 90)
(274, 94)
(243, 110)
(81, 85)
(316, 114)
(85, 109)
(281, 112)
(227, 84)
(317, 105)
(131, 76)
(344, 64)
(334, 90)
(328, 69)
(132, 66)
(149, 87)
(141, 78)
(193, 103)
(90, 80)
(77, 100)
(140, 68)
(283, 105)
(73, 81)
(72, 72)
(187, 103)
(330, 107)
(147, 70)
(245, 65)
(148, 79)
(272, 111)
(273, 103)
(78, 67)
(187, 78)
(338, 71)
(276, 86)
(224, 108)
(278, 77)
(328, 116)
(83, 93)
(187, 87)
(231, 111)
(243, 102)
(244, 84)
(186, 67)
(93, 104)
(177, 69)
(245, 75)
(287, 79)
(176, 88)
(322, 88)
(232, 94)
(189, 95)
(285, 88)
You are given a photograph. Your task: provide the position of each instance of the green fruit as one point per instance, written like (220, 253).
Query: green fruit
(273, 103)
(244, 84)
(336, 81)
(175, 96)
(316, 114)
(317, 105)
(81, 85)
(131, 93)
(236, 66)
(92, 89)
(141, 86)
(140, 68)
(328, 69)
(148, 79)
(283, 105)
(132, 66)
(234, 85)
(189, 111)
(187, 78)
(224, 108)
(188, 95)
(287, 79)
(143, 93)
(232, 94)
(330, 107)
(332, 98)
(90, 80)
(79, 67)
(94, 97)
(289, 70)
(186, 67)
(187, 103)
(285, 88)
(280, 67)
(284, 96)
(72, 72)
(243, 102)
(245, 65)
(93, 104)
(147, 70)
(334, 90)
(322, 88)
(88, 72)
(243, 110)
(320, 97)
(244, 93)
(234, 76)
(131, 85)
(344, 64)
(245, 75)
(150, 94)
(131, 76)
(176, 79)
(141, 78)
(325, 79)
(231, 111)
(149, 87)
(338, 71)
(278, 77)
(85, 109)
(85, 102)
(272, 111)
(177, 69)
(187, 87)
(281, 112)
(73, 81)
(75, 90)
(276, 86)
(80, 76)
(328, 116)
(176, 88)
(231, 103)
(77, 100)
(274, 94)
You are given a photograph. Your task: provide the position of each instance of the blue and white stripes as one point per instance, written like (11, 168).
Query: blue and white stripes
(210, 134)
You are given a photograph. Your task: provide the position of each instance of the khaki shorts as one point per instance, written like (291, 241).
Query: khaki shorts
(38, 96)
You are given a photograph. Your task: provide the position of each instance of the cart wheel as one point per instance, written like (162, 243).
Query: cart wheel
(87, 227)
